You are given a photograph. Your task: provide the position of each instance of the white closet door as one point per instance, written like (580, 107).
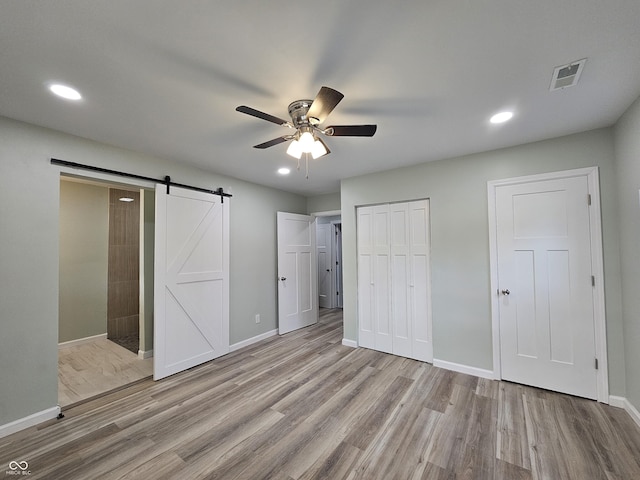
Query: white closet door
(366, 337)
(374, 303)
(400, 275)
(420, 281)
(394, 289)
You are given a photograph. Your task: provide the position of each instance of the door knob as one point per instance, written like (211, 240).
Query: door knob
(283, 278)
(506, 292)
(328, 269)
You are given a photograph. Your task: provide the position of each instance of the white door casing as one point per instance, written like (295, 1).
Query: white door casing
(548, 317)
(336, 262)
(297, 272)
(324, 249)
(191, 284)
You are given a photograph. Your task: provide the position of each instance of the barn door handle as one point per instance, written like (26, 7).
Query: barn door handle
(506, 292)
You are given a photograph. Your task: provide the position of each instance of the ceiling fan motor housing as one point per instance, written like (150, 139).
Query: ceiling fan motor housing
(298, 112)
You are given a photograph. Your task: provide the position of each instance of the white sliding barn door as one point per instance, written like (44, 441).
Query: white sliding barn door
(191, 318)
(394, 290)
(297, 272)
(546, 307)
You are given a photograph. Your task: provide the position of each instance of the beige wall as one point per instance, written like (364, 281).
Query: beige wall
(83, 261)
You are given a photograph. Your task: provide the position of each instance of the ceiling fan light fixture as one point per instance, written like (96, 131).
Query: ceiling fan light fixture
(318, 149)
(307, 141)
(295, 149)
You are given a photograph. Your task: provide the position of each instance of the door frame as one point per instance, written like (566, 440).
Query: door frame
(597, 267)
(336, 264)
(331, 213)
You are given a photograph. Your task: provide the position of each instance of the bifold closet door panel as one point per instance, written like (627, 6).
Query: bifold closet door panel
(400, 279)
(420, 282)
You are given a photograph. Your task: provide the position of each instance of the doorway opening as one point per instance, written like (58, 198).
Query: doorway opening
(329, 258)
(105, 326)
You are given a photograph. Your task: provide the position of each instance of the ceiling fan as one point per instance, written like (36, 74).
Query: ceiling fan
(306, 119)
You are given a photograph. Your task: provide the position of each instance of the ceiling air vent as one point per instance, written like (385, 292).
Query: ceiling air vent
(567, 75)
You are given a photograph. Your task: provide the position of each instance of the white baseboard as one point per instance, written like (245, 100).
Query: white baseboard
(349, 343)
(457, 367)
(29, 421)
(142, 354)
(251, 341)
(616, 401)
(80, 341)
(622, 402)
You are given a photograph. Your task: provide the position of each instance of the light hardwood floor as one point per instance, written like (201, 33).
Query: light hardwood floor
(93, 368)
(303, 406)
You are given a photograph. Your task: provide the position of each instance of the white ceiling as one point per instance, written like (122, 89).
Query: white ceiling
(164, 77)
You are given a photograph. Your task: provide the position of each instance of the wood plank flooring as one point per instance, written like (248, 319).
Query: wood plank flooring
(303, 406)
(93, 368)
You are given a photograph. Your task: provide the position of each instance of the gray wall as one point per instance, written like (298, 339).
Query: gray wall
(84, 234)
(457, 189)
(29, 214)
(627, 146)
(323, 203)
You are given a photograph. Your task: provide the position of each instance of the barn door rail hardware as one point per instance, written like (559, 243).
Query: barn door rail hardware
(165, 181)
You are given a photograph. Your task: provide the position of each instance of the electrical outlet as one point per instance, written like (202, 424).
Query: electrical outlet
(257, 318)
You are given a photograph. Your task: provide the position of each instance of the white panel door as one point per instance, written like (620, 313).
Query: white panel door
(323, 246)
(420, 281)
(191, 284)
(547, 333)
(400, 257)
(366, 292)
(382, 280)
(297, 272)
(374, 296)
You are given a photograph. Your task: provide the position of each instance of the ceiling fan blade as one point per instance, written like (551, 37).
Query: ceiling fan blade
(275, 141)
(264, 116)
(351, 130)
(323, 105)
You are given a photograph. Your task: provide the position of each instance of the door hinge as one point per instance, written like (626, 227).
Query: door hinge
(596, 364)
(588, 199)
(337, 293)
(593, 281)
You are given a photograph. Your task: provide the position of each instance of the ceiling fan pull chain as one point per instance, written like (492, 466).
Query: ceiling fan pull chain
(306, 157)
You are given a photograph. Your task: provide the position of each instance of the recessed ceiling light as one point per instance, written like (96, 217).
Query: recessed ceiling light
(65, 91)
(126, 199)
(501, 117)
(284, 171)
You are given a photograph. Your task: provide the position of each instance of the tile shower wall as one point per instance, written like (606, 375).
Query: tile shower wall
(123, 277)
